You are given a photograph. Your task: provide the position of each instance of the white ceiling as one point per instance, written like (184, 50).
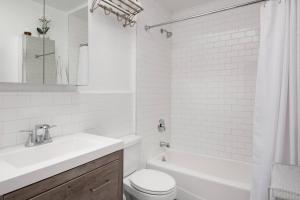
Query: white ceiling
(177, 5)
(82, 13)
(64, 5)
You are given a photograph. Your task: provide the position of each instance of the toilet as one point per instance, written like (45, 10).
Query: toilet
(144, 184)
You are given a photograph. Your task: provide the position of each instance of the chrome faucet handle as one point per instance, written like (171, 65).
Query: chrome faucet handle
(39, 136)
(47, 126)
(165, 144)
(31, 141)
(161, 125)
(47, 136)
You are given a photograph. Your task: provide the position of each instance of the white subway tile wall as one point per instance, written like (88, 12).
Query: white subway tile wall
(214, 63)
(153, 83)
(103, 114)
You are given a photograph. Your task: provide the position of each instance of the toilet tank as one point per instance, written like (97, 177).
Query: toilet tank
(132, 149)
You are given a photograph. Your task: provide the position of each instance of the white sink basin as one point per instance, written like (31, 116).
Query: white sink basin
(31, 156)
(21, 166)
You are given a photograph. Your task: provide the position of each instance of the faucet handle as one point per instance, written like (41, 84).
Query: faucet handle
(47, 136)
(47, 126)
(165, 144)
(161, 125)
(31, 139)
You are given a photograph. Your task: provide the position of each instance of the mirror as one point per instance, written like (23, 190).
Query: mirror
(44, 42)
(16, 49)
(66, 42)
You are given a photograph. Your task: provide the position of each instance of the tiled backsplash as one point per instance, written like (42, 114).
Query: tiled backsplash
(103, 114)
(213, 83)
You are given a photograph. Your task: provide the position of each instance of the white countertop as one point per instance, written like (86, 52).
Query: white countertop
(21, 166)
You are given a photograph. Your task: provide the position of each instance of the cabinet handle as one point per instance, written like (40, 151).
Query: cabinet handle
(107, 182)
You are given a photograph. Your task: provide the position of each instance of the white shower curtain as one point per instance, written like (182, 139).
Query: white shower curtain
(277, 107)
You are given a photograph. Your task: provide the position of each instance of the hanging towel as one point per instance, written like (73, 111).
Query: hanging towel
(83, 66)
(62, 72)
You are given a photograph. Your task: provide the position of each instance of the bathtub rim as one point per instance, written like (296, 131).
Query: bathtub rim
(155, 161)
(201, 155)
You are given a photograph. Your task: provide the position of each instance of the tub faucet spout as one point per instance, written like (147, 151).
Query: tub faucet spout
(165, 144)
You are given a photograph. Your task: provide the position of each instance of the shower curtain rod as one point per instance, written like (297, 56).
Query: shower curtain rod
(204, 14)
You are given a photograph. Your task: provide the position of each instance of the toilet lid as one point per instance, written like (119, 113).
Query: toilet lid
(153, 182)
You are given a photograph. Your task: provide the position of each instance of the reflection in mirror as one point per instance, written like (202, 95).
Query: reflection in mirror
(78, 46)
(44, 48)
(32, 59)
(17, 50)
(67, 39)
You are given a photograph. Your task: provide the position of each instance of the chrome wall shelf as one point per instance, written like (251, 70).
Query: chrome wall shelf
(125, 10)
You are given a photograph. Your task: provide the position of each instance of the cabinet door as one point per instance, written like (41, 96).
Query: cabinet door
(100, 184)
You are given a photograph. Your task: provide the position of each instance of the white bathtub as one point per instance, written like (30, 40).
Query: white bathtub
(205, 178)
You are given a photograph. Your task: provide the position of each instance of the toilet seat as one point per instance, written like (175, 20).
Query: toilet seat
(153, 182)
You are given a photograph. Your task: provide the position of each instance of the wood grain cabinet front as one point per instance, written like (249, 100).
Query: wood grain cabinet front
(102, 181)
(100, 184)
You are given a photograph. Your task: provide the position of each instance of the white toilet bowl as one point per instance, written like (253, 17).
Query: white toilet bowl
(147, 184)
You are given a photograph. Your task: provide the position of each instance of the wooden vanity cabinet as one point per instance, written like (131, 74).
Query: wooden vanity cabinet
(101, 179)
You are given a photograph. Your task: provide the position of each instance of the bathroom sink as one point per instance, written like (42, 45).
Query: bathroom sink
(46, 152)
(21, 166)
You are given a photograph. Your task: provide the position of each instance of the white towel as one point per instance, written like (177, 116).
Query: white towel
(83, 66)
(62, 74)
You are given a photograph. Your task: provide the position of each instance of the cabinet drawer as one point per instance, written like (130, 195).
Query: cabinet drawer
(100, 184)
(45, 185)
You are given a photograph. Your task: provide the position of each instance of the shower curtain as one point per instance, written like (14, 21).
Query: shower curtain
(277, 104)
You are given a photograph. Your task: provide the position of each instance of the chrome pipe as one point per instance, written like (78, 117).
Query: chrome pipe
(46, 54)
(84, 45)
(140, 7)
(129, 6)
(117, 7)
(147, 27)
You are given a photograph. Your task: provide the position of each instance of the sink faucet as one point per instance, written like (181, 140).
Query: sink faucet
(165, 144)
(40, 135)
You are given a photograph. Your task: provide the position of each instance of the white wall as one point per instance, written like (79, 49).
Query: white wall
(112, 56)
(153, 79)
(12, 28)
(78, 34)
(58, 32)
(105, 107)
(214, 62)
(16, 17)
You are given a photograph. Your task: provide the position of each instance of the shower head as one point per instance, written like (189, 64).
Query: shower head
(168, 33)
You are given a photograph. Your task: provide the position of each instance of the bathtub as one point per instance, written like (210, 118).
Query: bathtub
(202, 177)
